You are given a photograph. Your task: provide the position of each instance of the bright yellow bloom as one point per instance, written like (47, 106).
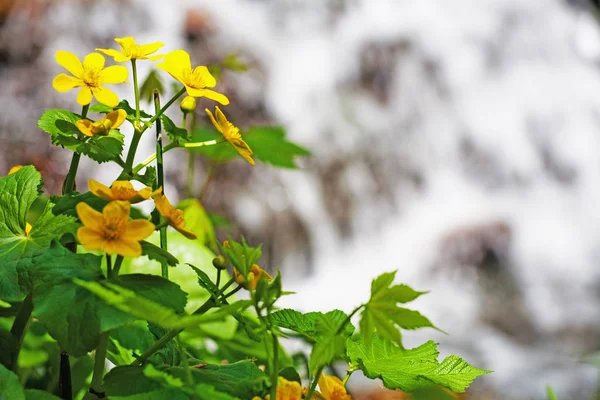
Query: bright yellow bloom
(130, 50)
(111, 231)
(332, 388)
(177, 63)
(254, 276)
(286, 390)
(112, 120)
(14, 169)
(173, 216)
(90, 76)
(231, 133)
(121, 190)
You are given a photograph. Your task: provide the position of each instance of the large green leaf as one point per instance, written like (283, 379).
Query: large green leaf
(199, 391)
(128, 339)
(33, 394)
(197, 221)
(103, 148)
(268, 144)
(412, 369)
(305, 323)
(10, 388)
(382, 314)
(130, 383)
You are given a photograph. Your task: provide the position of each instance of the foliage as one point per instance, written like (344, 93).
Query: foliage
(168, 318)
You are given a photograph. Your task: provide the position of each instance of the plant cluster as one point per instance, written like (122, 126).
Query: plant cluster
(87, 276)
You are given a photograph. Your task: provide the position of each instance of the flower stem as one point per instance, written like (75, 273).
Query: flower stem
(348, 373)
(209, 175)
(69, 184)
(96, 387)
(19, 326)
(148, 160)
(109, 270)
(162, 110)
(275, 367)
(117, 266)
(164, 268)
(64, 378)
(136, 90)
(313, 384)
(201, 144)
(135, 141)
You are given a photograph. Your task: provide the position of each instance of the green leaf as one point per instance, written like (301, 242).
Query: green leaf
(10, 388)
(33, 394)
(382, 315)
(205, 281)
(197, 221)
(290, 374)
(551, 394)
(175, 133)
(156, 253)
(9, 346)
(241, 255)
(199, 391)
(130, 383)
(268, 144)
(124, 105)
(140, 307)
(60, 125)
(148, 178)
(305, 324)
(103, 148)
(232, 62)
(126, 340)
(151, 83)
(412, 369)
(65, 205)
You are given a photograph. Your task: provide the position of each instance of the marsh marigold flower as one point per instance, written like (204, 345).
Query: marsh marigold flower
(254, 276)
(111, 231)
(231, 133)
(130, 50)
(112, 120)
(121, 190)
(90, 76)
(332, 388)
(286, 390)
(173, 216)
(196, 81)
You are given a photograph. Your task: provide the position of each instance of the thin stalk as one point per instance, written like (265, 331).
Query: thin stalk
(348, 373)
(136, 90)
(117, 266)
(64, 378)
(313, 384)
(148, 160)
(135, 141)
(162, 110)
(109, 271)
(164, 268)
(19, 327)
(218, 278)
(69, 184)
(96, 387)
(275, 367)
(201, 144)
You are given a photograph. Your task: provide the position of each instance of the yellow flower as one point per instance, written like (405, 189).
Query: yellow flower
(111, 231)
(231, 133)
(287, 390)
(253, 277)
(112, 120)
(173, 216)
(332, 388)
(130, 50)
(177, 63)
(90, 76)
(121, 190)
(14, 169)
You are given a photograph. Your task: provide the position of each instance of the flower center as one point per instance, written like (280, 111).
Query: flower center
(194, 78)
(123, 193)
(91, 77)
(134, 51)
(113, 228)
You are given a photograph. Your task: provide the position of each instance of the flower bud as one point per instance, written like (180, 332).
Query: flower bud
(220, 262)
(188, 104)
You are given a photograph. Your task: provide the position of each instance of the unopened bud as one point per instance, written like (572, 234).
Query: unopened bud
(188, 104)
(220, 262)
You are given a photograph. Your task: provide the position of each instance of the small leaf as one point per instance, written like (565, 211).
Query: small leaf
(124, 105)
(175, 133)
(305, 324)
(103, 148)
(158, 254)
(151, 83)
(197, 221)
(10, 388)
(241, 255)
(551, 394)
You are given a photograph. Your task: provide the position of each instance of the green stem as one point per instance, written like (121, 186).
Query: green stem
(69, 184)
(201, 144)
(117, 266)
(109, 270)
(163, 109)
(19, 326)
(96, 387)
(218, 278)
(148, 160)
(313, 384)
(136, 90)
(135, 141)
(348, 373)
(164, 268)
(340, 329)
(275, 367)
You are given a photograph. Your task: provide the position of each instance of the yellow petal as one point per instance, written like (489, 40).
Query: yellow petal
(122, 247)
(175, 63)
(114, 74)
(63, 83)
(117, 209)
(242, 148)
(116, 118)
(221, 118)
(106, 96)
(138, 229)
(85, 127)
(125, 42)
(332, 388)
(163, 205)
(288, 390)
(70, 62)
(188, 234)
(100, 190)
(210, 94)
(155, 57)
(84, 97)
(118, 57)
(14, 169)
(145, 193)
(93, 62)
(89, 217)
(150, 48)
(90, 238)
(202, 74)
(214, 121)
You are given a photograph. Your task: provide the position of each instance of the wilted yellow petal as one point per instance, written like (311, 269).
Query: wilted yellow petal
(114, 74)
(70, 62)
(106, 96)
(14, 169)
(116, 118)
